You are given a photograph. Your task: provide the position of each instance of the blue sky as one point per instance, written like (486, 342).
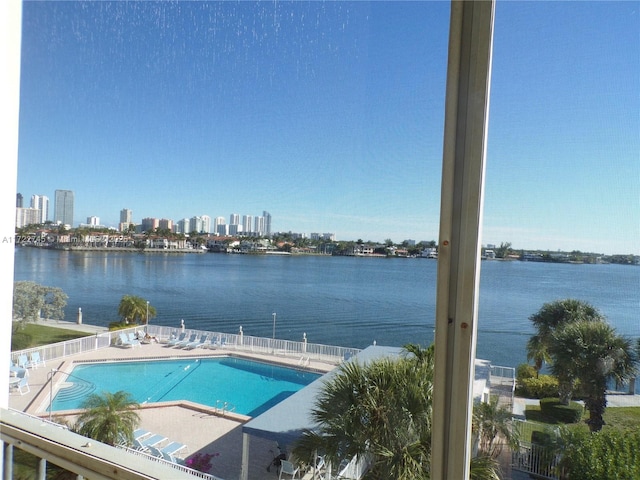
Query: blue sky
(329, 115)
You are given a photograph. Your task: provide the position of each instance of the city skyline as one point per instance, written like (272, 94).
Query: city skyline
(330, 116)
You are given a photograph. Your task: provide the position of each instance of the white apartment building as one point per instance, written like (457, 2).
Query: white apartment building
(41, 203)
(247, 222)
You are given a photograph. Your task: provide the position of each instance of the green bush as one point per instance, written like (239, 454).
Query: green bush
(541, 387)
(604, 454)
(551, 407)
(525, 371)
(119, 326)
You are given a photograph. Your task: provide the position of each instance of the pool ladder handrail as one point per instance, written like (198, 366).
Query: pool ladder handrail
(226, 407)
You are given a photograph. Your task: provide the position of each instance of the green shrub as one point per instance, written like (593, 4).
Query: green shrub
(604, 454)
(541, 387)
(119, 326)
(525, 371)
(551, 407)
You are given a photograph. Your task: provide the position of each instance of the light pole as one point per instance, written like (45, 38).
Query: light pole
(146, 326)
(274, 325)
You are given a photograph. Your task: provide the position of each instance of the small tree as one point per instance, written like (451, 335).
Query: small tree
(109, 418)
(32, 301)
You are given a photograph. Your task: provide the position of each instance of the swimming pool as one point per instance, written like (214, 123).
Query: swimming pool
(243, 386)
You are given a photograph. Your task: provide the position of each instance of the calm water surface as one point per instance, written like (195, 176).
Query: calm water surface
(334, 300)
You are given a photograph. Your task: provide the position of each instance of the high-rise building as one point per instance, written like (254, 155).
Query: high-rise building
(27, 216)
(206, 224)
(126, 216)
(165, 224)
(149, 224)
(19, 200)
(259, 226)
(234, 219)
(267, 222)
(217, 223)
(247, 221)
(93, 221)
(41, 203)
(63, 209)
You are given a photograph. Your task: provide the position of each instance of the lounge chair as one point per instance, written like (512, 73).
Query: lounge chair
(198, 344)
(175, 341)
(171, 458)
(139, 433)
(133, 340)
(124, 340)
(288, 468)
(146, 442)
(35, 360)
(173, 448)
(184, 343)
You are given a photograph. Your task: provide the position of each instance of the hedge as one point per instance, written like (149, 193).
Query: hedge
(608, 454)
(552, 407)
(541, 387)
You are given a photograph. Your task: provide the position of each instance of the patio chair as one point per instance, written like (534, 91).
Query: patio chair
(173, 448)
(175, 341)
(23, 361)
(198, 344)
(124, 340)
(171, 458)
(288, 468)
(35, 360)
(133, 340)
(151, 441)
(184, 343)
(22, 384)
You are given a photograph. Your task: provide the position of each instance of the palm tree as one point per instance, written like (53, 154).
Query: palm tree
(382, 409)
(109, 418)
(491, 424)
(133, 309)
(551, 317)
(594, 354)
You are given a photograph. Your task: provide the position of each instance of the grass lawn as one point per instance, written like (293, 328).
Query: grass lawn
(619, 418)
(34, 335)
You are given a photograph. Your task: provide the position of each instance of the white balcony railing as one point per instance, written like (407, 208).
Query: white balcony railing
(82, 456)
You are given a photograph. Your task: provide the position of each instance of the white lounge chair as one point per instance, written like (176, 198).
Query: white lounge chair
(175, 341)
(133, 340)
(124, 340)
(198, 344)
(151, 441)
(184, 343)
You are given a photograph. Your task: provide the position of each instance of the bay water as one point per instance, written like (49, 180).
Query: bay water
(344, 301)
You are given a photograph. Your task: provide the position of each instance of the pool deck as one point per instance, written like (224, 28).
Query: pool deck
(202, 429)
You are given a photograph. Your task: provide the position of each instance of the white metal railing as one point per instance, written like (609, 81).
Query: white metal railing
(67, 348)
(176, 466)
(304, 351)
(77, 454)
(268, 346)
(536, 460)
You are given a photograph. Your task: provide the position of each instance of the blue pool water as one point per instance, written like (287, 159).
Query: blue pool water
(246, 387)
